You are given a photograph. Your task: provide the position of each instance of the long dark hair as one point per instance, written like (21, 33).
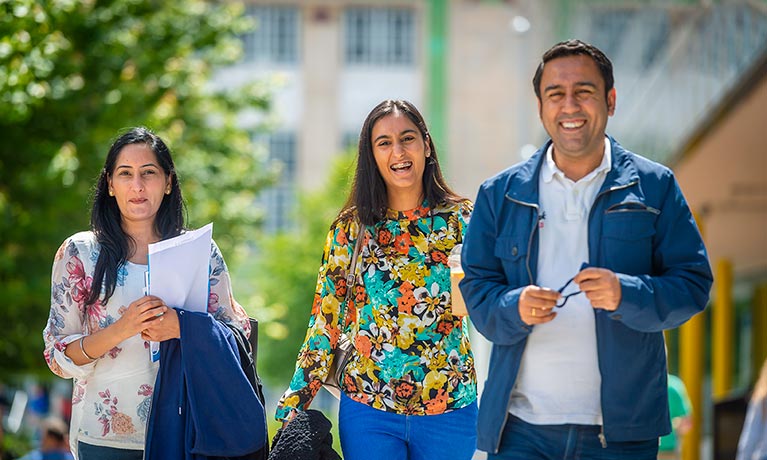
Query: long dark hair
(106, 218)
(368, 194)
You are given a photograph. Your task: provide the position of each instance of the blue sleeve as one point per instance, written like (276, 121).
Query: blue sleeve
(490, 300)
(681, 280)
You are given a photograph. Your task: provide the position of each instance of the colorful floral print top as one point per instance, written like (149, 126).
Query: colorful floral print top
(412, 356)
(111, 396)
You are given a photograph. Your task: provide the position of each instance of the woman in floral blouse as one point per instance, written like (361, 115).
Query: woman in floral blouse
(101, 322)
(409, 389)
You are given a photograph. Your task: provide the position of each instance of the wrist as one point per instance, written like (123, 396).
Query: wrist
(85, 354)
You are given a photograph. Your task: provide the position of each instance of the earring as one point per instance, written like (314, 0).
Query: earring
(167, 191)
(111, 192)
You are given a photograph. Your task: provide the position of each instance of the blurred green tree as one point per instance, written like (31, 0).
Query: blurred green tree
(74, 73)
(279, 280)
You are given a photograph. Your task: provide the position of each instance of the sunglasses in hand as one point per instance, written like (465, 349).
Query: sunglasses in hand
(563, 301)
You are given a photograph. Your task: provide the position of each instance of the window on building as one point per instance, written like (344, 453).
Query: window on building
(279, 200)
(379, 36)
(275, 37)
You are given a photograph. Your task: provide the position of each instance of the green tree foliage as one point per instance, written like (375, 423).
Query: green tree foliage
(74, 73)
(281, 279)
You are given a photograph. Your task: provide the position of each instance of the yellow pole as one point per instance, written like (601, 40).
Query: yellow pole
(691, 354)
(758, 330)
(722, 329)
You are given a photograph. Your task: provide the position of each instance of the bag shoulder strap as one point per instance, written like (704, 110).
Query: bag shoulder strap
(351, 275)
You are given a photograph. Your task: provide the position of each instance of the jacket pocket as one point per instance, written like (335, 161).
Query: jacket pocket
(512, 252)
(627, 238)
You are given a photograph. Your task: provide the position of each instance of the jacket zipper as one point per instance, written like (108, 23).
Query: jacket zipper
(601, 435)
(530, 275)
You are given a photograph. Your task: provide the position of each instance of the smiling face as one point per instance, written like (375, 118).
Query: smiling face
(574, 109)
(400, 152)
(138, 184)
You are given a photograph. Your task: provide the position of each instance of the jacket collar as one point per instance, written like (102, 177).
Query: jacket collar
(523, 183)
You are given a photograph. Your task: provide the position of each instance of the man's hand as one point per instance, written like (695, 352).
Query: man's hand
(536, 304)
(601, 286)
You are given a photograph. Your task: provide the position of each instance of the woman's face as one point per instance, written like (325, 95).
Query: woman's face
(138, 184)
(400, 152)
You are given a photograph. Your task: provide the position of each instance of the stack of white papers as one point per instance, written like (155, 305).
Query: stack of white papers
(178, 269)
(179, 272)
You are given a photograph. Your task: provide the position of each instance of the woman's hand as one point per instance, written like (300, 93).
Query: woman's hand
(291, 416)
(165, 327)
(139, 315)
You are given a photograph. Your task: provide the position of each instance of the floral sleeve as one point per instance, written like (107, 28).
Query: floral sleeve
(70, 284)
(314, 356)
(467, 207)
(221, 302)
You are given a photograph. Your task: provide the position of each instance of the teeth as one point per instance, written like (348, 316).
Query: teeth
(573, 124)
(404, 165)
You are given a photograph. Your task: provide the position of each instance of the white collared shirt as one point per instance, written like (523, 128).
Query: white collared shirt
(559, 380)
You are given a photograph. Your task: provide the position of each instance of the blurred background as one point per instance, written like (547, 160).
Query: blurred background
(262, 102)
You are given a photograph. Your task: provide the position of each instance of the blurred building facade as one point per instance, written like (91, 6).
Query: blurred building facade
(690, 92)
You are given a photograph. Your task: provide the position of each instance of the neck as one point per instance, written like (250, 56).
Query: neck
(404, 201)
(576, 168)
(142, 236)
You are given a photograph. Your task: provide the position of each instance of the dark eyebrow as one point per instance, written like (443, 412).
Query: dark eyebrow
(142, 166)
(382, 136)
(577, 84)
(586, 83)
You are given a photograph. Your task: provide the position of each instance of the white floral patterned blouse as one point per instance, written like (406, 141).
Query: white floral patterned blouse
(111, 397)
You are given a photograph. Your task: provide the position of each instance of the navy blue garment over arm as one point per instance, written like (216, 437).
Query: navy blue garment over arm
(203, 406)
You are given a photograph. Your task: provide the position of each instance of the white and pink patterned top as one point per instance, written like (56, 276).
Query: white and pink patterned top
(112, 396)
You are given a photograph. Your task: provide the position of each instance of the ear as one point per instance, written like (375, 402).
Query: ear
(611, 98)
(168, 184)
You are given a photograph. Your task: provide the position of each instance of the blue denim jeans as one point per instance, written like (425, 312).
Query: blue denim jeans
(372, 434)
(91, 452)
(525, 441)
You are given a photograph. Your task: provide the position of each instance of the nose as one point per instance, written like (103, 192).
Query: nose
(570, 103)
(399, 149)
(137, 183)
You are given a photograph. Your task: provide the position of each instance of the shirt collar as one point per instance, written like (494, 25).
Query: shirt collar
(549, 168)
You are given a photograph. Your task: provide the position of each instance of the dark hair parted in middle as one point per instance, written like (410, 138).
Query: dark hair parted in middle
(573, 48)
(368, 195)
(106, 220)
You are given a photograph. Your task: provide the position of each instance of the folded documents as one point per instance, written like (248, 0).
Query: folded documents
(179, 271)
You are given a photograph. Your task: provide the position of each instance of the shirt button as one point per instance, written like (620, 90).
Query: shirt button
(514, 251)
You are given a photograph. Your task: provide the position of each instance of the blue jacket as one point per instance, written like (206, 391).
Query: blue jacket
(203, 406)
(641, 228)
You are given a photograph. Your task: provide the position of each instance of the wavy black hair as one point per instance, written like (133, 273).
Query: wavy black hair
(106, 218)
(368, 195)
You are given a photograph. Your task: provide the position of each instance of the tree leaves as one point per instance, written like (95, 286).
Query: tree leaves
(72, 75)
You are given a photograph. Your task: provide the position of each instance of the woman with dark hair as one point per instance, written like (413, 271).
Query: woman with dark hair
(101, 321)
(409, 388)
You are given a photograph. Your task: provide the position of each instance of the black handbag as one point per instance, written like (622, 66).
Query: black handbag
(247, 348)
(343, 349)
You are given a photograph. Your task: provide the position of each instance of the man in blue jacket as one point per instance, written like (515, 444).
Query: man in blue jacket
(576, 261)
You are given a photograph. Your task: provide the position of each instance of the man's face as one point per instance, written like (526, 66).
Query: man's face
(573, 107)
